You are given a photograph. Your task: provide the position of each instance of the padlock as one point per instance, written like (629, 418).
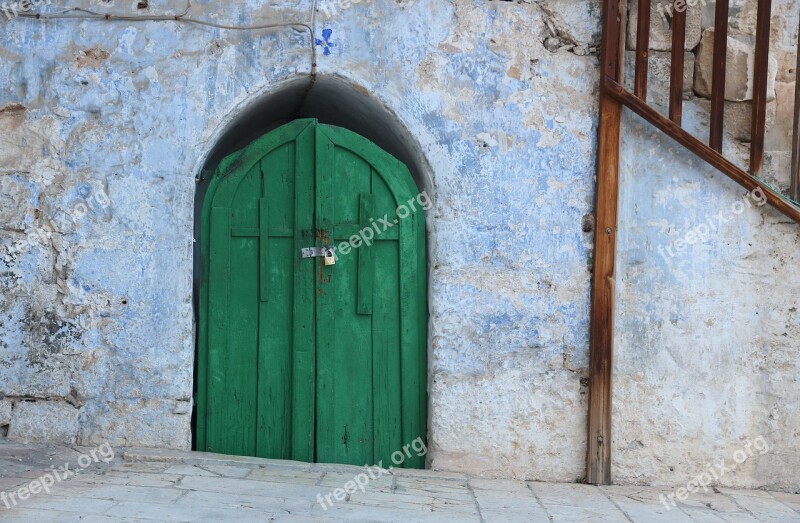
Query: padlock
(330, 259)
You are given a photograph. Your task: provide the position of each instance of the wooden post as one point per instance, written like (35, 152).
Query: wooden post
(676, 66)
(642, 50)
(598, 458)
(760, 76)
(794, 191)
(719, 67)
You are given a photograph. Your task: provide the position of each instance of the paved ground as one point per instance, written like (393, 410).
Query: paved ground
(146, 485)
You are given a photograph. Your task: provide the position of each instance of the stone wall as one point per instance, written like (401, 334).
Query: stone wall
(105, 126)
(707, 322)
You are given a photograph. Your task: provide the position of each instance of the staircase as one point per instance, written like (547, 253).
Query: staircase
(614, 96)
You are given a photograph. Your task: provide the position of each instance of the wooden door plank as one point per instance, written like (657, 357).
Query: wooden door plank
(238, 428)
(219, 294)
(410, 360)
(304, 329)
(387, 406)
(326, 424)
(201, 385)
(366, 264)
(274, 427)
(263, 246)
(351, 355)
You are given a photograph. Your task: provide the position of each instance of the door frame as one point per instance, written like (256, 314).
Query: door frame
(241, 161)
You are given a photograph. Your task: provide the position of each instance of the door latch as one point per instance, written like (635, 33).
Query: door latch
(320, 252)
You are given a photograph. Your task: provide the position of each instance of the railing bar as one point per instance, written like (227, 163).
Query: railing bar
(719, 68)
(642, 49)
(760, 87)
(676, 66)
(622, 39)
(794, 191)
(696, 146)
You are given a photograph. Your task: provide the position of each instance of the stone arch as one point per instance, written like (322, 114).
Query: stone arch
(332, 100)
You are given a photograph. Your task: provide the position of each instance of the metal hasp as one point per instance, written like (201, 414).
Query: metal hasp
(317, 252)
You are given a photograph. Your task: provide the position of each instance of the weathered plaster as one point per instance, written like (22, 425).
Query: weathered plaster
(105, 126)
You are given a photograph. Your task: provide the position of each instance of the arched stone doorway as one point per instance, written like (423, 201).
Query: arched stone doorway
(280, 411)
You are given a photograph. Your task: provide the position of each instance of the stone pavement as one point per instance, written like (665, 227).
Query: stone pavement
(157, 485)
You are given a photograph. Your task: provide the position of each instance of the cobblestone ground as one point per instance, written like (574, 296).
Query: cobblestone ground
(150, 485)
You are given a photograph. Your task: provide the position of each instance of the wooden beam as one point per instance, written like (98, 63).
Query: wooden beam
(642, 50)
(760, 76)
(602, 329)
(670, 128)
(598, 453)
(719, 67)
(794, 191)
(676, 66)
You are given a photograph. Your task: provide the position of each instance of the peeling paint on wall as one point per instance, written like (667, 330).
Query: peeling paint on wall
(96, 316)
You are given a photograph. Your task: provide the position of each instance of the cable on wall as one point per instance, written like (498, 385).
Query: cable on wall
(79, 13)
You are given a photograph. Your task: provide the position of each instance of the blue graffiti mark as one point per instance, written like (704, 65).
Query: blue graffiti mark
(326, 43)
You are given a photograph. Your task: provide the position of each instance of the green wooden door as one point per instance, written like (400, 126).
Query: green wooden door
(298, 359)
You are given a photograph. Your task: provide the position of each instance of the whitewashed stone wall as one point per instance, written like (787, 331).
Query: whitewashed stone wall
(106, 125)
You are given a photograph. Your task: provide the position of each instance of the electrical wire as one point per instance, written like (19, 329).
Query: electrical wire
(79, 13)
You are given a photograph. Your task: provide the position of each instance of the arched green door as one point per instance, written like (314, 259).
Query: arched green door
(299, 359)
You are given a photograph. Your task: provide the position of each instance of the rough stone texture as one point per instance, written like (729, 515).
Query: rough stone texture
(151, 485)
(44, 422)
(783, 22)
(107, 126)
(660, 32)
(739, 117)
(779, 132)
(706, 352)
(658, 74)
(787, 64)
(739, 69)
(104, 127)
(567, 19)
(777, 169)
(5, 412)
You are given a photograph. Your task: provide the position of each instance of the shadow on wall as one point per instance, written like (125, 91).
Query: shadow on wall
(333, 101)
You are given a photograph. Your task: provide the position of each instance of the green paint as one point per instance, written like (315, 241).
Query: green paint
(299, 360)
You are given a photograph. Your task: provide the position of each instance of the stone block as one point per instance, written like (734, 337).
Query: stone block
(660, 31)
(658, 74)
(128, 422)
(15, 197)
(779, 133)
(739, 117)
(739, 72)
(5, 412)
(787, 64)
(573, 20)
(44, 422)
